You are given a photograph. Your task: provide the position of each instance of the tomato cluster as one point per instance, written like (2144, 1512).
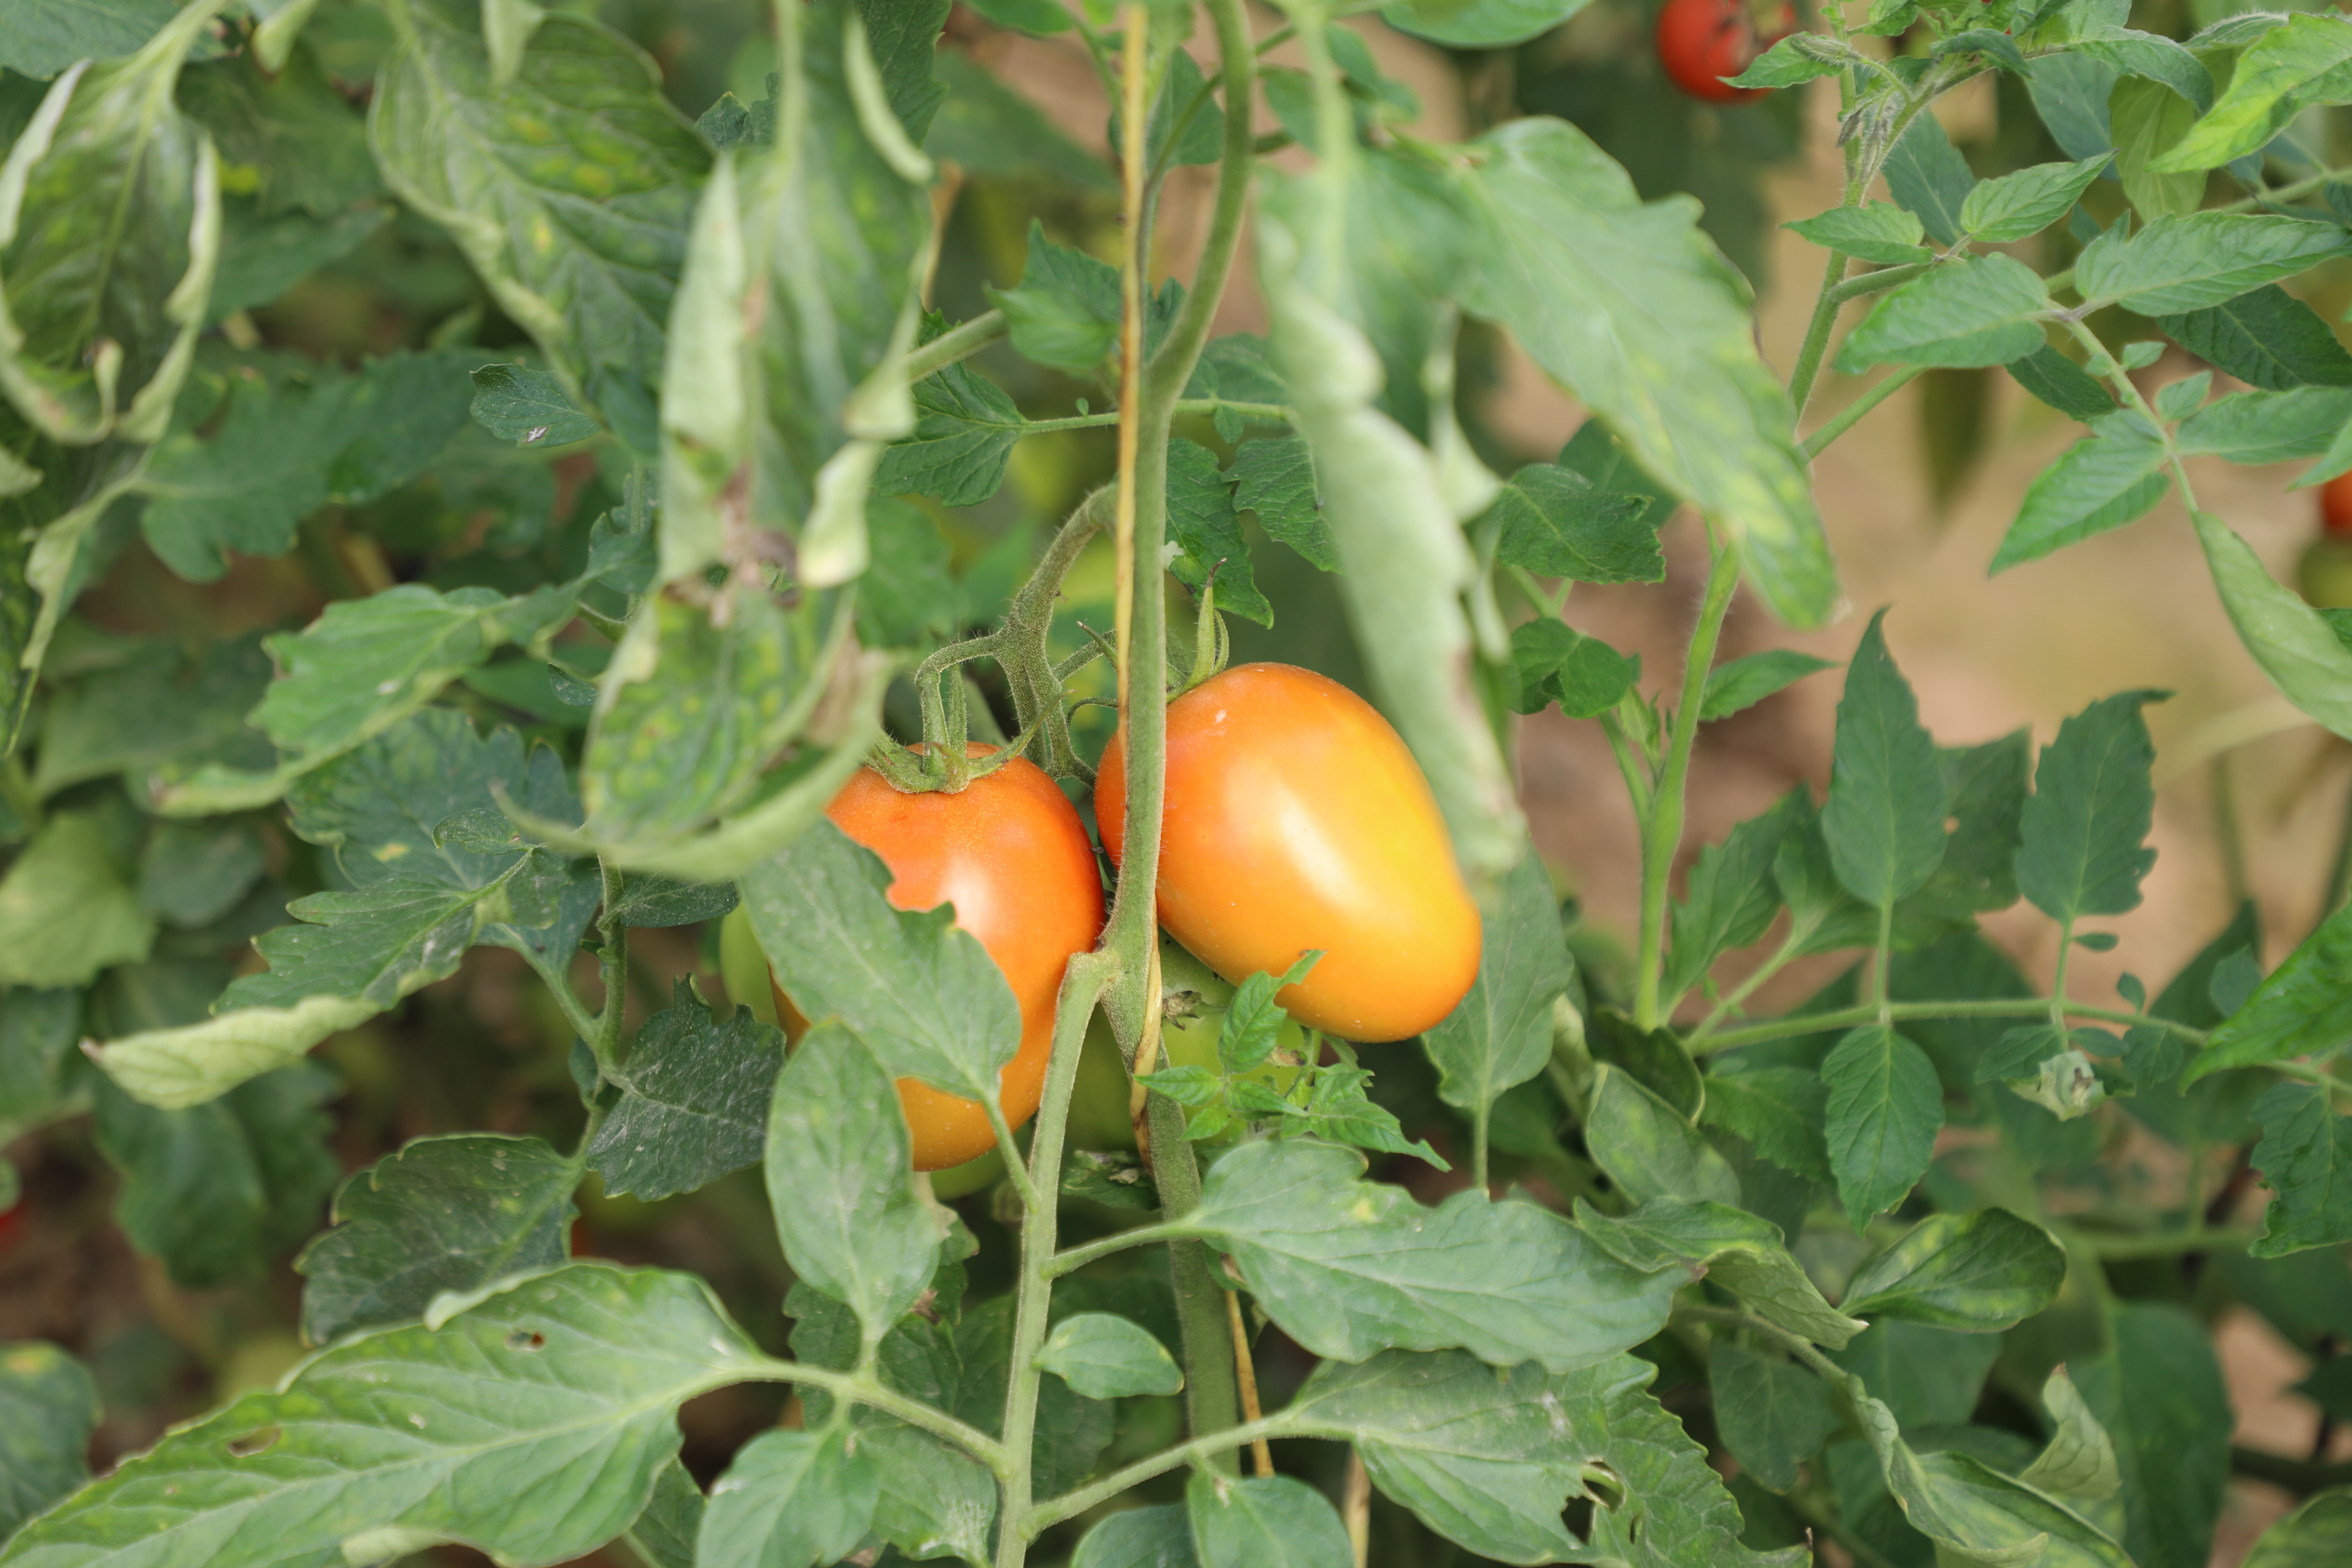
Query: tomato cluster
(1295, 818)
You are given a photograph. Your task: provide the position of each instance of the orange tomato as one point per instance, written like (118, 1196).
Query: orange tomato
(1011, 854)
(2336, 506)
(1296, 818)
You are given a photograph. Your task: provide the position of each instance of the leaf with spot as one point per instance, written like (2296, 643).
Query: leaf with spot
(530, 1422)
(1347, 1267)
(1274, 478)
(1273, 1520)
(694, 1100)
(67, 906)
(1203, 526)
(48, 1406)
(790, 1499)
(567, 188)
(1773, 1416)
(2303, 1005)
(436, 1216)
(1981, 1273)
(1552, 522)
(2266, 338)
(1649, 1149)
(527, 407)
(965, 430)
(1108, 1357)
(1500, 1034)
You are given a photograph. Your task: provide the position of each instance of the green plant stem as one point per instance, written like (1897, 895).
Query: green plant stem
(1102, 1247)
(955, 344)
(1797, 1345)
(1082, 987)
(1882, 962)
(864, 1391)
(1846, 418)
(2161, 1244)
(613, 969)
(2020, 1008)
(1070, 1505)
(575, 1012)
(1878, 282)
(1268, 411)
(2301, 1477)
(1781, 959)
(1165, 375)
(1211, 1394)
(1663, 829)
(1808, 368)
(1826, 1520)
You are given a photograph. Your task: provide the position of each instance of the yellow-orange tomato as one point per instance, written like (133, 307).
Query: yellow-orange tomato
(1295, 819)
(1011, 854)
(2336, 506)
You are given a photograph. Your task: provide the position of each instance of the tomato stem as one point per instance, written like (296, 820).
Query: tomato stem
(1662, 828)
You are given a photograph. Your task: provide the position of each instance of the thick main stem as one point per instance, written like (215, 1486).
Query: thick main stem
(1662, 831)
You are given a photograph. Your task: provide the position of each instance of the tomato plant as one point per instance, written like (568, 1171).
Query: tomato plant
(1295, 820)
(545, 549)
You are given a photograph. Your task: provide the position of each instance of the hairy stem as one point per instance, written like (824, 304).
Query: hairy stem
(1846, 418)
(1211, 1398)
(1070, 1505)
(864, 1391)
(1662, 833)
(1082, 987)
(2019, 1007)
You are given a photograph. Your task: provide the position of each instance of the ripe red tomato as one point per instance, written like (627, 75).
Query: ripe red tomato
(2335, 505)
(1295, 819)
(1011, 854)
(1702, 41)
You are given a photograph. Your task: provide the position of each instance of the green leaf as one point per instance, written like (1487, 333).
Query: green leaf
(1984, 309)
(1926, 175)
(1772, 1415)
(416, 903)
(1978, 1516)
(2316, 1535)
(648, 899)
(694, 1100)
(2305, 1158)
(1800, 58)
(1980, 1273)
(2078, 1465)
(1888, 800)
(903, 36)
(1274, 478)
(2062, 384)
(216, 1190)
(1735, 687)
(1479, 24)
(41, 1072)
(1648, 1149)
(2148, 118)
(1158, 1536)
(2195, 261)
(1566, 239)
(790, 1499)
(1203, 524)
(262, 258)
(2101, 483)
(48, 1406)
(2157, 1391)
(2293, 642)
(438, 1216)
(2280, 74)
(1066, 311)
(1928, 1377)
(1656, 1058)
(1201, 139)
(2266, 338)
(2304, 1005)
(1729, 896)
(2151, 57)
(567, 188)
(1394, 526)
(1886, 1108)
(530, 1422)
(921, 992)
(694, 707)
(527, 407)
(2267, 426)
(2081, 850)
(1986, 787)
(1553, 662)
(45, 37)
(1552, 522)
(192, 875)
(2015, 205)
(109, 228)
(1347, 1267)
(1500, 1034)
(965, 430)
(934, 1498)
(1272, 1520)
(1108, 1357)
(1876, 232)
(774, 415)
(289, 138)
(838, 1157)
(68, 908)
(664, 1534)
(1740, 1251)
(1490, 1459)
(986, 128)
(1780, 1110)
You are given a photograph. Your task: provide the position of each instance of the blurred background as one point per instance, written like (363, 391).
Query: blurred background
(2252, 804)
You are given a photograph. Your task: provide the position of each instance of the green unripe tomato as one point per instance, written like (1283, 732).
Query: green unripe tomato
(743, 967)
(1193, 1043)
(2325, 574)
(1099, 1117)
(972, 1175)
